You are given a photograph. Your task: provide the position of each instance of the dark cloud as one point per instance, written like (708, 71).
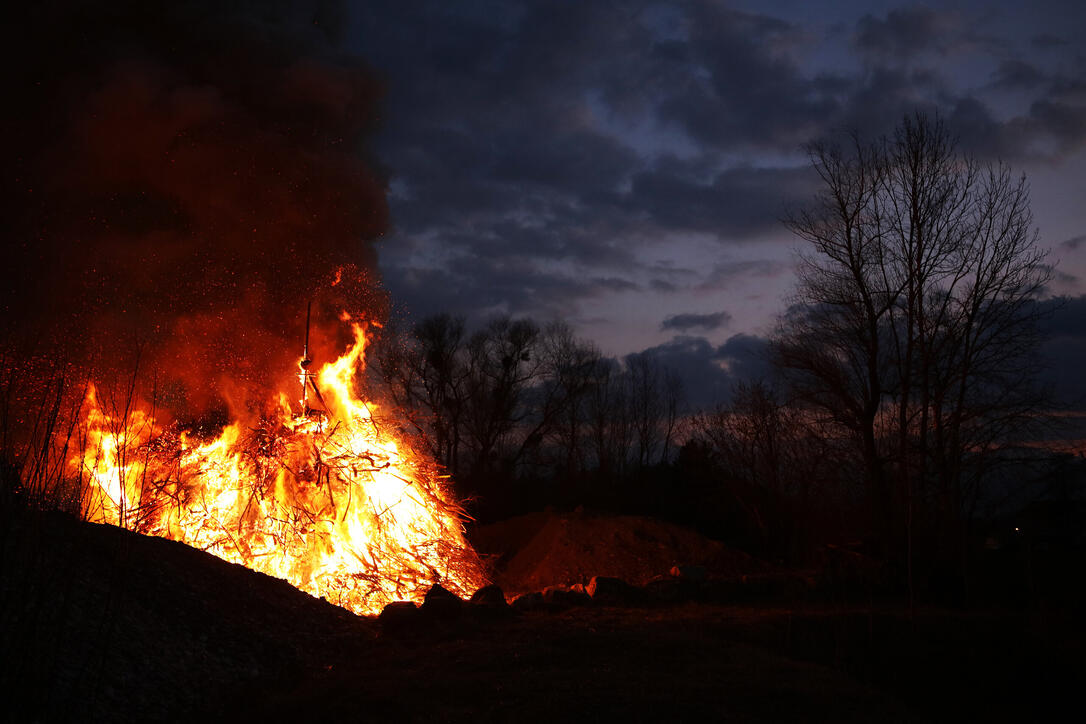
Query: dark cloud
(663, 285)
(1053, 125)
(746, 356)
(579, 140)
(1049, 130)
(907, 32)
(878, 101)
(694, 361)
(519, 152)
(614, 284)
(743, 87)
(738, 202)
(1064, 317)
(709, 372)
(686, 322)
(500, 284)
(724, 274)
(1047, 41)
(1015, 74)
(1073, 243)
(1064, 280)
(1058, 122)
(1064, 349)
(576, 159)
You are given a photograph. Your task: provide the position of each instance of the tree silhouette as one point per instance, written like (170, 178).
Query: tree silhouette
(915, 317)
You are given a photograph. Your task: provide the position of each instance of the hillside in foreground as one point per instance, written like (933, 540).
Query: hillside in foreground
(102, 624)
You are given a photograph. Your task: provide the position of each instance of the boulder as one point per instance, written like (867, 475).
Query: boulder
(488, 603)
(528, 602)
(563, 597)
(439, 593)
(491, 595)
(441, 604)
(399, 616)
(669, 589)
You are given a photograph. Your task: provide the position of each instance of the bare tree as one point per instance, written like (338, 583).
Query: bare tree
(40, 405)
(441, 379)
(512, 395)
(674, 395)
(502, 366)
(423, 373)
(569, 380)
(609, 418)
(915, 313)
(775, 455)
(646, 404)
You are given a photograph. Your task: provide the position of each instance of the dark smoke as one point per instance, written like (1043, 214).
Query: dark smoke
(180, 178)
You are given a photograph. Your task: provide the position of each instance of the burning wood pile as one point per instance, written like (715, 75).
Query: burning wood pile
(331, 500)
(177, 178)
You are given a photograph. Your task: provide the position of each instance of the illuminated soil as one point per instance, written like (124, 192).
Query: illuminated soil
(530, 552)
(101, 624)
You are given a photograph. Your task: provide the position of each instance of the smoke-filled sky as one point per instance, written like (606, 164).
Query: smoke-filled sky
(178, 181)
(619, 165)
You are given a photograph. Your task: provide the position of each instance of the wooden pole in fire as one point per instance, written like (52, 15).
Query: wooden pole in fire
(304, 364)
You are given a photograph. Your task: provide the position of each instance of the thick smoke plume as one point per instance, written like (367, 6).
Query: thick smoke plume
(180, 179)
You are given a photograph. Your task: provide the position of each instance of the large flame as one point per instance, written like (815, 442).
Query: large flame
(329, 501)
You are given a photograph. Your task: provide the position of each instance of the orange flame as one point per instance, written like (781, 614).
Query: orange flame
(330, 502)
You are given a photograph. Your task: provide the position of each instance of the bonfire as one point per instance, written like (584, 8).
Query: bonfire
(330, 498)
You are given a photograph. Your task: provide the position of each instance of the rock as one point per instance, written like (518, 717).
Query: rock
(528, 602)
(669, 589)
(399, 616)
(578, 588)
(690, 573)
(562, 597)
(489, 603)
(438, 593)
(442, 605)
(612, 591)
(491, 595)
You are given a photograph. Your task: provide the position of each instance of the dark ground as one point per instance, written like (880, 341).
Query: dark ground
(102, 625)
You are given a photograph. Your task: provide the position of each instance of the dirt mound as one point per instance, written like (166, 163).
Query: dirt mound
(536, 550)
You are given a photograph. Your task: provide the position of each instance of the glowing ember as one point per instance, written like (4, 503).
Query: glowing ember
(330, 502)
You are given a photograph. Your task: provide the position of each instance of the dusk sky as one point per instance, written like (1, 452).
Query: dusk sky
(622, 166)
(625, 166)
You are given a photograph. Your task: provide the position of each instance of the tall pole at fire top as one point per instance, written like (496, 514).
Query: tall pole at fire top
(304, 364)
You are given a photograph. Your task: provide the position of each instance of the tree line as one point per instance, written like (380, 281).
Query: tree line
(516, 401)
